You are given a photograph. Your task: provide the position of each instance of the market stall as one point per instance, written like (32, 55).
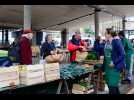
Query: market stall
(80, 78)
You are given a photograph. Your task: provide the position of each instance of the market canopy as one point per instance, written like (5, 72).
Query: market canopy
(47, 15)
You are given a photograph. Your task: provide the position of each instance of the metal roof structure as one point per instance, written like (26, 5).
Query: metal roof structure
(48, 15)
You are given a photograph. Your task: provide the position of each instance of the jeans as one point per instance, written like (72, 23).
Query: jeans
(114, 90)
(129, 73)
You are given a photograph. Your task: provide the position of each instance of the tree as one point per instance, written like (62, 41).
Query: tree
(89, 31)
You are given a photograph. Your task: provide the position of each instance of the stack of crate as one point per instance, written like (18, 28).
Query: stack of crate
(52, 71)
(9, 76)
(31, 74)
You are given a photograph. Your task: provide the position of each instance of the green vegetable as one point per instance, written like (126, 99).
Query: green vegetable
(91, 56)
(72, 70)
(86, 84)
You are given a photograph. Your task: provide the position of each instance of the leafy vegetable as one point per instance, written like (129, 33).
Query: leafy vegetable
(91, 56)
(68, 71)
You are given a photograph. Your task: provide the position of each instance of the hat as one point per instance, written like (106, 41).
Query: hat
(26, 31)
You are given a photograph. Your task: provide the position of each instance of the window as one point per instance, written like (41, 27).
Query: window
(10, 37)
(0, 36)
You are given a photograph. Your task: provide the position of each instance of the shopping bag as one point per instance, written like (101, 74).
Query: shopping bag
(80, 56)
(54, 58)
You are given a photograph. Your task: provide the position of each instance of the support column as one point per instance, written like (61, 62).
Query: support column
(123, 23)
(27, 17)
(2, 36)
(27, 20)
(6, 36)
(96, 22)
(64, 38)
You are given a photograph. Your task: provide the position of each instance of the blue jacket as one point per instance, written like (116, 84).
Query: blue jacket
(46, 48)
(99, 48)
(118, 54)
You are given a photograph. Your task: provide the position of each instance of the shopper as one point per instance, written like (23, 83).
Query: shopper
(48, 47)
(14, 51)
(102, 45)
(98, 47)
(74, 45)
(114, 61)
(25, 47)
(129, 57)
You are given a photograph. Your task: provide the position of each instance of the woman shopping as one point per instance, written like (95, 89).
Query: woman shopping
(114, 61)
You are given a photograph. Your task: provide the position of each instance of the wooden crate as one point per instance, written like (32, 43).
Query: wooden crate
(9, 76)
(78, 89)
(93, 62)
(52, 71)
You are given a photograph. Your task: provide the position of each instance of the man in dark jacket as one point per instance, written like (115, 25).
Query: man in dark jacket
(99, 47)
(48, 47)
(25, 47)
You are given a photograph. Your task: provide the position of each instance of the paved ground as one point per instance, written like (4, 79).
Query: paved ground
(127, 89)
(124, 89)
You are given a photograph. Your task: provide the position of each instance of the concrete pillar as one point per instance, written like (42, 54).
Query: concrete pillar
(27, 17)
(3, 36)
(6, 36)
(96, 22)
(64, 33)
(27, 20)
(34, 39)
(123, 23)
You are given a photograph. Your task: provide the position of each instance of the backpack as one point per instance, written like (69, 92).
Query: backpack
(14, 52)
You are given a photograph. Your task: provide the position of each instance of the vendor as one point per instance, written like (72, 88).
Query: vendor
(75, 44)
(48, 47)
(114, 61)
(129, 57)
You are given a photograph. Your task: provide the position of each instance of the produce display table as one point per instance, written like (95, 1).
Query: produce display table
(94, 76)
(23, 89)
(26, 89)
(61, 82)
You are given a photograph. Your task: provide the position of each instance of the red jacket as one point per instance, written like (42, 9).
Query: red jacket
(25, 51)
(72, 49)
